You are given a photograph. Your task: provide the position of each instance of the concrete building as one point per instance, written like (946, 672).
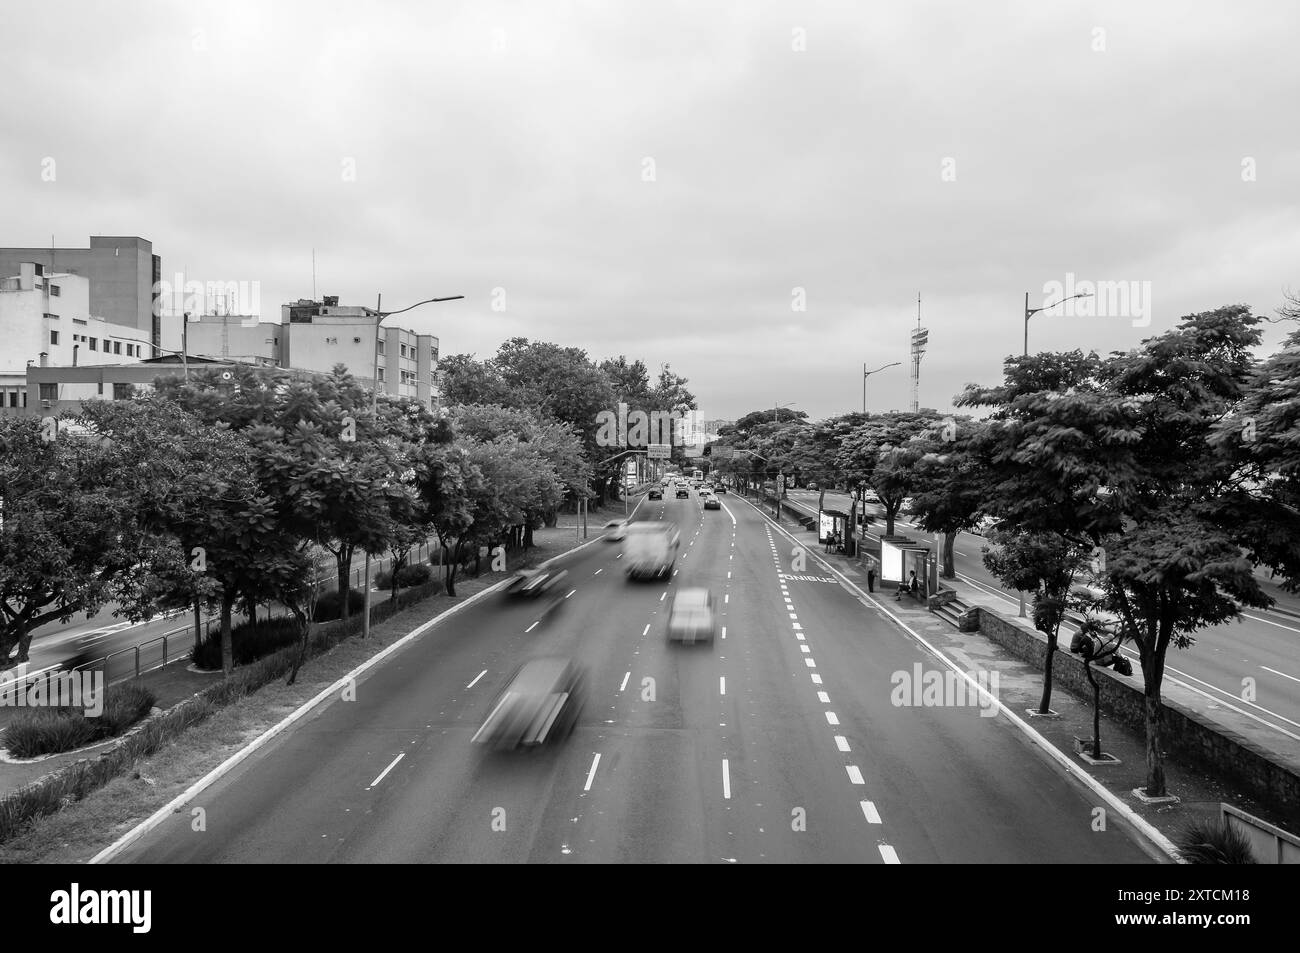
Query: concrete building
(46, 320)
(124, 276)
(316, 335)
(234, 337)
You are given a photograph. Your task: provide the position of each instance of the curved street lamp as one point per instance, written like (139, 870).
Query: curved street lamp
(1030, 313)
(865, 374)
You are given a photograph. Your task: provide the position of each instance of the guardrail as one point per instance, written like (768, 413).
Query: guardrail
(1269, 844)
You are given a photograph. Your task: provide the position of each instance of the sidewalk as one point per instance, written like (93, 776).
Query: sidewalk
(1020, 688)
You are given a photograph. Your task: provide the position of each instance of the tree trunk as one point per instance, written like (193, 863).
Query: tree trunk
(1045, 703)
(1155, 760)
(305, 624)
(949, 567)
(821, 499)
(198, 623)
(227, 640)
(889, 521)
(550, 519)
(343, 563)
(528, 536)
(451, 569)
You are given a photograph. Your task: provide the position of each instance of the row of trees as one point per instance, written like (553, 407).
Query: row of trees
(1165, 477)
(227, 490)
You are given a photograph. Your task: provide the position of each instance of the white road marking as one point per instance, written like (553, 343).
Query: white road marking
(810, 663)
(1283, 674)
(571, 592)
(889, 855)
(724, 631)
(832, 718)
(646, 629)
(476, 678)
(533, 626)
(824, 698)
(869, 809)
(664, 596)
(855, 774)
(726, 598)
(726, 780)
(384, 773)
(591, 775)
(722, 684)
(842, 743)
(804, 649)
(598, 572)
(797, 627)
(626, 676)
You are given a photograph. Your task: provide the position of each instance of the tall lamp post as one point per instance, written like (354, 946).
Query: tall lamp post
(380, 314)
(865, 374)
(1030, 313)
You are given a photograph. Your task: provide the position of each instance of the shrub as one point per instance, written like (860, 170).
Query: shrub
(41, 731)
(327, 606)
(416, 575)
(384, 580)
(248, 642)
(1214, 842)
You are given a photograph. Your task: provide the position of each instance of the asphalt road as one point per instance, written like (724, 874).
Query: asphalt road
(779, 743)
(1263, 645)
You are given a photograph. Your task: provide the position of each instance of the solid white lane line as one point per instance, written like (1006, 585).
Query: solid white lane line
(384, 773)
(889, 855)
(476, 678)
(855, 774)
(869, 810)
(726, 780)
(1283, 674)
(832, 718)
(842, 743)
(533, 626)
(591, 775)
(626, 676)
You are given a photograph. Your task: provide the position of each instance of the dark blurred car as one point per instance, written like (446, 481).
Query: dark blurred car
(683, 493)
(711, 502)
(656, 494)
(722, 488)
(544, 583)
(540, 704)
(691, 619)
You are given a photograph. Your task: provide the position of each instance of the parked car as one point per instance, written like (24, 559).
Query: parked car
(692, 618)
(540, 704)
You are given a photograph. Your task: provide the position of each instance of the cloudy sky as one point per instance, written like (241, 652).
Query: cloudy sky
(754, 193)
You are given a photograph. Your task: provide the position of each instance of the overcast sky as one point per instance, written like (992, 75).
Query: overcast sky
(657, 179)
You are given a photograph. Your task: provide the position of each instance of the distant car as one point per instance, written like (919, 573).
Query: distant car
(870, 496)
(691, 619)
(711, 502)
(683, 493)
(655, 494)
(722, 488)
(812, 486)
(986, 525)
(907, 507)
(616, 531)
(540, 704)
(544, 584)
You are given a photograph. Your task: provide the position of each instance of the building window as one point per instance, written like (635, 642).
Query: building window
(51, 317)
(13, 398)
(121, 391)
(54, 290)
(49, 392)
(94, 344)
(381, 373)
(101, 389)
(117, 347)
(331, 340)
(54, 337)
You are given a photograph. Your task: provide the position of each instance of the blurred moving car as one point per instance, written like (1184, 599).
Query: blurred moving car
(655, 494)
(711, 502)
(683, 493)
(540, 704)
(870, 496)
(543, 583)
(615, 531)
(691, 619)
(650, 549)
(812, 486)
(722, 488)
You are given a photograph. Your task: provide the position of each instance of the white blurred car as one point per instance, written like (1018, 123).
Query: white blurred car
(692, 618)
(615, 531)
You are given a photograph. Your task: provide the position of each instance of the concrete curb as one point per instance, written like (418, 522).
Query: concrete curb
(178, 802)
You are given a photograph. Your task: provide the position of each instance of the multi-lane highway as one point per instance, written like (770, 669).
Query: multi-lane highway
(1262, 646)
(778, 743)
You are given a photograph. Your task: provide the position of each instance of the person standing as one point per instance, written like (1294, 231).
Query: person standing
(871, 576)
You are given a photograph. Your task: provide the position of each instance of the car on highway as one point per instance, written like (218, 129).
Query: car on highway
(545, 585)
(615, 531)
(650, 549)
(711, 502)
(692, 617)
(870, 496)
(683, 493)
(540, 704)
(722, 488)
(812, 486)
(655, 494)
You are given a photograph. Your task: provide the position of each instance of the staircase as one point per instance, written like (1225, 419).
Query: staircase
(951, 608)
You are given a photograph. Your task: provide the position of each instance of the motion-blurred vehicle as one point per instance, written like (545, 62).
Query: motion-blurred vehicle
(721, 488)
(870, 496)
(812, 486)
(615, 530)
(540, 704)
(545, 584)
(711, 502)
(691, 619)
(650, 549)
(683, 493)
(907, 507)
(986, 525)
(655, 494)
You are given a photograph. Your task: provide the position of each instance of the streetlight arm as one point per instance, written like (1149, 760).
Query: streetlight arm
(389, 314)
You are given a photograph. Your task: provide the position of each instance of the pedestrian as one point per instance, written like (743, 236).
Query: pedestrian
(913, 585)
(871, 576)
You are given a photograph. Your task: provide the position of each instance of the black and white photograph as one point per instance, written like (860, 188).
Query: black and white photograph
(650, 433)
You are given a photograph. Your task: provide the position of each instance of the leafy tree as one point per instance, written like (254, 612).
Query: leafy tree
(949, 495)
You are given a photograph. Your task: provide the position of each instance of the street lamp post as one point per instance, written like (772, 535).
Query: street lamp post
(1030, 313)
(374, 412)
(865, 374)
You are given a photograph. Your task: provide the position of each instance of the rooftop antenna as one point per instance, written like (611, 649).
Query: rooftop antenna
(313, 274)
(919, 339)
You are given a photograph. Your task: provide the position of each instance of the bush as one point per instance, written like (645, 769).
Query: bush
(41, 731)
(416, 575)
(384, 580)
(248, 642)
(328, 605)
(1214, 842)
